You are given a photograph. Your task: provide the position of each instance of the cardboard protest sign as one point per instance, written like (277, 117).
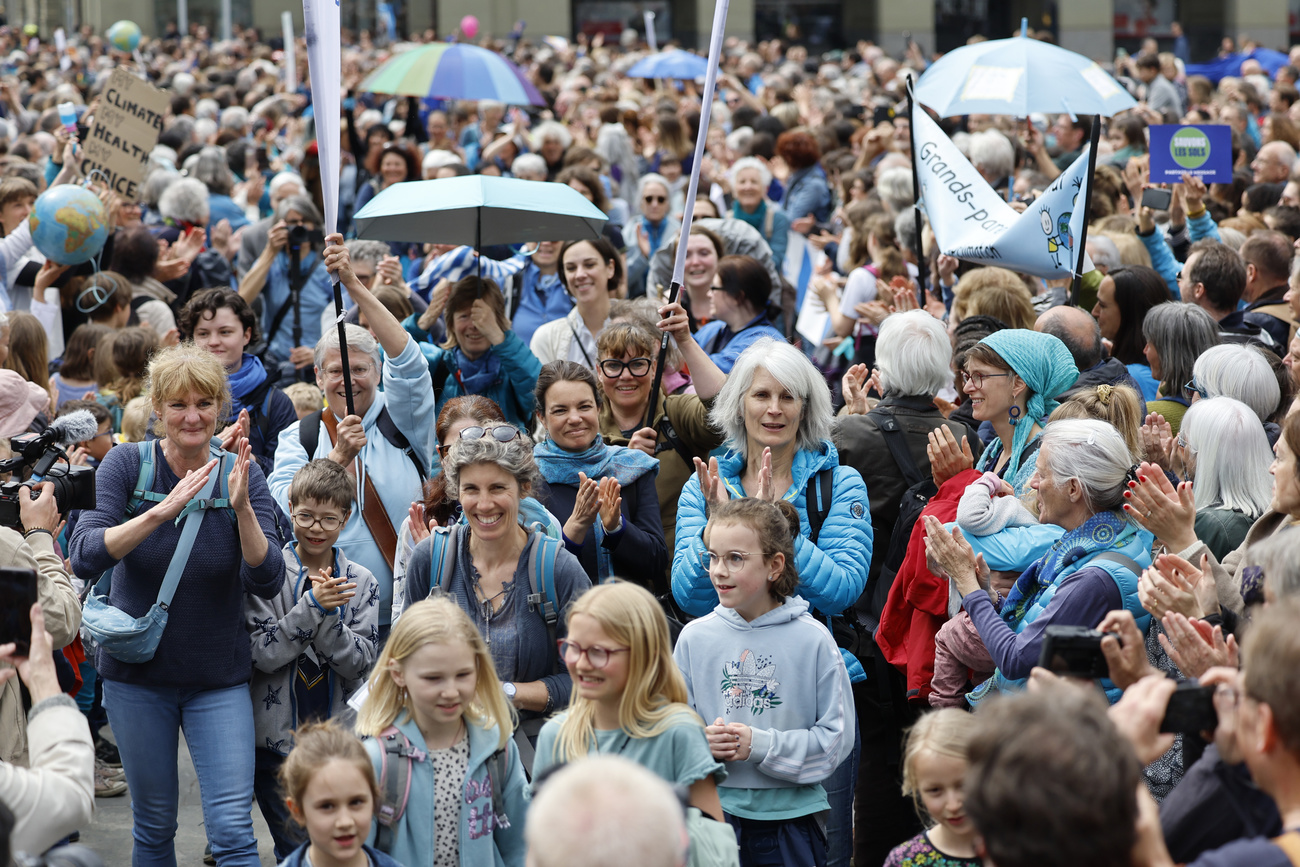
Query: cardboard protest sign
(972, 222)
(1201, 150)
(127, 124)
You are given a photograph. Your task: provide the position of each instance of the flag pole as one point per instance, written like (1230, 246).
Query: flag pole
(688, 213)
(916, 198)
(1076, 285)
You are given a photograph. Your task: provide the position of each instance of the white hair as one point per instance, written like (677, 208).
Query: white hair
(765, 176)
(182, 83)
(185, 201)
(436, 159)
(551, 130)
(207, 107)
(532, 164)
(281, 180)
(913, 353)
(359, 340)
(738, 140)
(373, 252)
(605, 810)
(1092, 452)
(1241, 372)
(1232, 456)
(1104, 252)
(235, 117)
(992, 152)
(895, 189)
(204, 129)
(795, 372)
(367, 119)
(652, 178)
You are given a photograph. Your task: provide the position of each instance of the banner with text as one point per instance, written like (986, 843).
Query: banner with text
(972, 222)
(127, 123)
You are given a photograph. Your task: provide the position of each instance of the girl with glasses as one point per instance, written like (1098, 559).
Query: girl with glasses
(645, 234)
(629, 697)
(604, 495)
(783, 718)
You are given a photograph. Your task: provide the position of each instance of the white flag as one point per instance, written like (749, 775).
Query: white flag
(972, 222)
(321, 29)
(290, 52)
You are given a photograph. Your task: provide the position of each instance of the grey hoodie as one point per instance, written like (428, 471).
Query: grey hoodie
(783, 676)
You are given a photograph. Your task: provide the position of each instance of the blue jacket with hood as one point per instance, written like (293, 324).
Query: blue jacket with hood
(832, 571)
(487, 838)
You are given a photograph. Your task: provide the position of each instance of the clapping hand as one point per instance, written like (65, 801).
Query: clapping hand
(420, 529)
(1157, 439)
(238, 478)
(854, 384)
(712, 485)
(610, 503)
(241, 428)
(947, 459)
(185, 490)
(331, 592)
(1156, 505)
(1195, 646)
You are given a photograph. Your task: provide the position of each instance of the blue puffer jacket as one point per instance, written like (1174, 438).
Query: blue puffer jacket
(832, 572)
(513, 388)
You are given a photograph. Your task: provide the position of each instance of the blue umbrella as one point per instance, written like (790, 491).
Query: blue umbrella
(479, 210)
(673, 63)
(1019, 76)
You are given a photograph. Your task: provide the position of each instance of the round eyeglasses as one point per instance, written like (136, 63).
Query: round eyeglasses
(977, 379)
(731, 562)
(306, 520)
(613, 367)
(598, 657)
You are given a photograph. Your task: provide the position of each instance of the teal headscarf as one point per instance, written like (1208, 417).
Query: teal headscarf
(1045, 365)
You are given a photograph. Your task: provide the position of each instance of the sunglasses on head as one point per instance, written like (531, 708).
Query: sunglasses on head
(502, 433)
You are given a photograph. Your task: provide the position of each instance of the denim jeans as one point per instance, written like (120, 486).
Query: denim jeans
(840, 786)
(218, 726)
(785, 843)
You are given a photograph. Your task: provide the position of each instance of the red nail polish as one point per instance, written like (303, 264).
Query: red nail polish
(1142, 478)
(1128, 494)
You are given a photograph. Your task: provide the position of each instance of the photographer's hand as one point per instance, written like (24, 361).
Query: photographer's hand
(41, 513)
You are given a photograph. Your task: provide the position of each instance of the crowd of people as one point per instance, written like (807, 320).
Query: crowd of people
(398, 581)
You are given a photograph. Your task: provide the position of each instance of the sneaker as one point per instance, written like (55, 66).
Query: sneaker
(208, 857)
(109, 773)
(108, 788)
(107, 753)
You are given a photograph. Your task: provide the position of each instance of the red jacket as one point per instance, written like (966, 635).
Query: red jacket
(918, 600)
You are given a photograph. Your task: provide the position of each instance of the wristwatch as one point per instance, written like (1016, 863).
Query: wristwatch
(509, 689)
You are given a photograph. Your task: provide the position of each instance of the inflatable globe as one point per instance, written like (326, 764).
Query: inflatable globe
(125, 36)
(68, 224)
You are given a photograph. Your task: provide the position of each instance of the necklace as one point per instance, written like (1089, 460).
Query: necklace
(486, 609)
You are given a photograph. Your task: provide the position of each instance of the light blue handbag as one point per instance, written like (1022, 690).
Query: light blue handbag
(134, 640)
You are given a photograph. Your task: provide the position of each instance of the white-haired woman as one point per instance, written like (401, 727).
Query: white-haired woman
(913, 358)
(291, 333)
(648, 232)
(551, 140)
(1081, 476)
(775, 411)
(1240, 372)
(211, 168)
(750, 180)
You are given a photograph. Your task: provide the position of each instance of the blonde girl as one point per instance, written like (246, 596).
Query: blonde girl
(330, 790)
(772, 679)
(934, 770)
(435, 703)
(628, 696)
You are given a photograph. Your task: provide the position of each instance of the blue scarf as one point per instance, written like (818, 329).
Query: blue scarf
(245, 381)
(561, 467)
(477, 374)
(755, 219)
(1104, 531)
(654, 233)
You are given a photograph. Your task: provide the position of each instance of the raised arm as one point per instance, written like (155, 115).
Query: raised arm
(392, 336)
(705, 373)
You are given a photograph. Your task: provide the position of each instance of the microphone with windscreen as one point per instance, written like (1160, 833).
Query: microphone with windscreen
(74, 486)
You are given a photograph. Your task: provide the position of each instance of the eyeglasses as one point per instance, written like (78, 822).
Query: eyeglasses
(598, 657)
(977, 379)
(654, 200)
(306, 520)
(1182, 442)
(502, 433)
(358, 371)
(731, 562)
(1192, 388)
(613, 367)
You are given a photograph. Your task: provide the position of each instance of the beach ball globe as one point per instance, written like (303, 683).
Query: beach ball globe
(69, 225)
(125, 36)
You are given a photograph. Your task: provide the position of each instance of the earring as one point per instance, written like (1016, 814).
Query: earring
(1013, 415)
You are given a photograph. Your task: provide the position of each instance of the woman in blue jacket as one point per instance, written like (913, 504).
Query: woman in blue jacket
(807, 193)
(775, 411)
(737, 311)
(482, 354)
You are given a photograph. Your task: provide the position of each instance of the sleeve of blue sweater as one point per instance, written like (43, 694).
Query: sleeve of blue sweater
(1083, 599)
(1202, 226)
(1162, 259)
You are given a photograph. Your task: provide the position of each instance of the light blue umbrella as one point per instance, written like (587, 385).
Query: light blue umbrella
(1019, 76)
(479, 210)
(673, 63)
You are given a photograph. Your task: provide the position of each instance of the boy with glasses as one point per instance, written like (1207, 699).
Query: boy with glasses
(313, 644)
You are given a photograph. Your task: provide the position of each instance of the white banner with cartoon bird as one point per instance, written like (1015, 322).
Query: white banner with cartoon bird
(972, 222)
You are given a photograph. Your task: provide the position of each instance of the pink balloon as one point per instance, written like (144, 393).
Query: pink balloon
(469, 26)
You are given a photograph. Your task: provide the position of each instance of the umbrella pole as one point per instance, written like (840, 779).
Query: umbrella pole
(478, 251)
(1077, 284)
(916, 200)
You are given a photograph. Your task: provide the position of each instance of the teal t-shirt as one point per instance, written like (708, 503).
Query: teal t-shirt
(679, 755)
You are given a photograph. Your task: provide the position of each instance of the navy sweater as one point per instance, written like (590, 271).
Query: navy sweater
(205, 644)
(638, 553)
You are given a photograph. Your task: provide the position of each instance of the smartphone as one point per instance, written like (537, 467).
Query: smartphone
(1156, 199)
(17, 596)
(1191, 710)
(1073, 651)
(68, 117)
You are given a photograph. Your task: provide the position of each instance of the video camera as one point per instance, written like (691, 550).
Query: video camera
(74, 487)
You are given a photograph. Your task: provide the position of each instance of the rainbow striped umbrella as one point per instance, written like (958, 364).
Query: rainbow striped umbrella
(453, 70)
